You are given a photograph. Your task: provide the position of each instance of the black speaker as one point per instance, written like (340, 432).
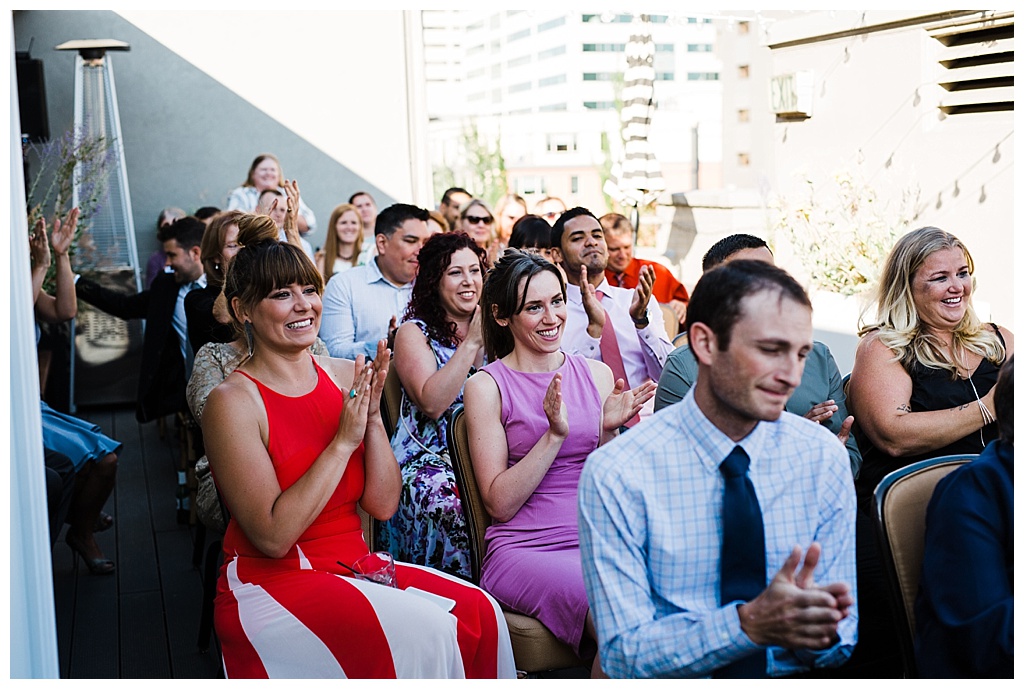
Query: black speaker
(32, 99)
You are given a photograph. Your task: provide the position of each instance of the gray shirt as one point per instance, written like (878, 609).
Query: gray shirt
(821, 381)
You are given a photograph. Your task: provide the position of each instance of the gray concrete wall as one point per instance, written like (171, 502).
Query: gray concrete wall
(188, 140)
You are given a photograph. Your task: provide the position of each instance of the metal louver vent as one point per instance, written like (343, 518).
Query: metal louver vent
(976, 63)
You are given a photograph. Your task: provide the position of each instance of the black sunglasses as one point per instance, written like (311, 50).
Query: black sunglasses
(475, 219)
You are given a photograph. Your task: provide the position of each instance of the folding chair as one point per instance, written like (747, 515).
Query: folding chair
(898, 507)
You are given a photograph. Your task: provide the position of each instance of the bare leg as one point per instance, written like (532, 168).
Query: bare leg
(93, 486)
(591, 630)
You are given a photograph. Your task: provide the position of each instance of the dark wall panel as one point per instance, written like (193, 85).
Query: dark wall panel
(188, 139)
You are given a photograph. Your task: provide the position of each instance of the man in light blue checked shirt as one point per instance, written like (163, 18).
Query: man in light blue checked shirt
(650, 503)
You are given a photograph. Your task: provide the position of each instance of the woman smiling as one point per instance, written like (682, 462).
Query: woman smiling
(534, 414)
(438, 346)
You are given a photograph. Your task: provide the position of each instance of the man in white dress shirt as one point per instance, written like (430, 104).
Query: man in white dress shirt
(364, 304)
(577, 243)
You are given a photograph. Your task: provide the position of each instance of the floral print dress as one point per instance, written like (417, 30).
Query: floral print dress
(429, 527)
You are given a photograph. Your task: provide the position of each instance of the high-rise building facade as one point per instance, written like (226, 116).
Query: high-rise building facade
(546, 87)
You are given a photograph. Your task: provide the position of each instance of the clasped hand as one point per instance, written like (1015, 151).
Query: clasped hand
(793, 612)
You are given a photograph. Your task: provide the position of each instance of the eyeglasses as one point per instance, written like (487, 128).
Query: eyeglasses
(476, 219)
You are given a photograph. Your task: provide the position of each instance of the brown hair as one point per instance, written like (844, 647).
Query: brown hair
(331, 243)
(256, 163)
(211, 249)
(264, 264)
(502, 299)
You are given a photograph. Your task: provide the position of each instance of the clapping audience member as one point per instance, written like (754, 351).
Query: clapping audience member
(534, 414)
(265, 173)
(819, 397)
(68, 440)
(922, 386)
(964, 610)
(624, 268)
(508, 209)
(617, 326)
(362, 305)
(158, 259)
(166, 352)
(438, 346)
(292, 491)
(275, 203)
(692, 524)
(217, 358)
(343, 248)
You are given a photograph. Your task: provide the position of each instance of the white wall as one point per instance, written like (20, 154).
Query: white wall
(335, 78)
(875, 110)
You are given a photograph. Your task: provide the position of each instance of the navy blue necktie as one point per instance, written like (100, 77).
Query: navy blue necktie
(743, 560)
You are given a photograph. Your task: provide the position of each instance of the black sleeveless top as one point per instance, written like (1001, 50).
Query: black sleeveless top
(934, 390)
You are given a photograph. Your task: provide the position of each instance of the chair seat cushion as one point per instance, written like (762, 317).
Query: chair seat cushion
(535, 648)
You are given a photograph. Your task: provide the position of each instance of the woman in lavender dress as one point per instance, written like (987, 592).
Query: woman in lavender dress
(534, 414)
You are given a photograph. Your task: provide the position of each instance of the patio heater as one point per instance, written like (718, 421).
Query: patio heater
(104, 349)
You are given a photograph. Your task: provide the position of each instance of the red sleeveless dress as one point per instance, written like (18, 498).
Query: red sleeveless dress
(302, 615)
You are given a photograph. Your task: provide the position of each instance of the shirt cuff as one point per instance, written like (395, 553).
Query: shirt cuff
(590, 347)
(727, 634)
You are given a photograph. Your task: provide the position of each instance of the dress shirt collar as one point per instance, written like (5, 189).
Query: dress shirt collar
(573, 294)
(198, 283)
(374, 274)
(713, 444)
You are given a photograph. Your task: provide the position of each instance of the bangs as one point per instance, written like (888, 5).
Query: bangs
(283, 265)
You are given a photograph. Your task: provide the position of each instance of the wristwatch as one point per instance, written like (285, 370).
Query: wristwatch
(642, 323)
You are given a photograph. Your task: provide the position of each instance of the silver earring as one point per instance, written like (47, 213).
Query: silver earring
(247, 326)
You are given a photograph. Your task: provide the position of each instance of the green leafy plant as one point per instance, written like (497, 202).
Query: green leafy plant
(75, 157)
(841, 230)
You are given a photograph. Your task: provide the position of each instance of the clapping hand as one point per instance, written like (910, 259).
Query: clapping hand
(64, 233)
(822, 411)
(39, 248)
(554, 408)
(591, 306)
(622, 405)
(291, 188)
(793, 612)
(475, 330)
(381, 362)
(352, 426)
(642, 294)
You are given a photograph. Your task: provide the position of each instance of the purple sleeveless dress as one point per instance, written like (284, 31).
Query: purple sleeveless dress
(532, 563)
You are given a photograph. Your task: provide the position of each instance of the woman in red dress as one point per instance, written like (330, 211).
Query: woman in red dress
(294, 442)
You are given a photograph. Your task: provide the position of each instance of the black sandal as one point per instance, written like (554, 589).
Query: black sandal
(98, 565)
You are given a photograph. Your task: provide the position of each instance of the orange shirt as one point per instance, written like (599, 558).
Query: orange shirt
(666, 287)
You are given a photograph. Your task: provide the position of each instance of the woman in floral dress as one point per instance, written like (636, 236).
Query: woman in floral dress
(437, 348)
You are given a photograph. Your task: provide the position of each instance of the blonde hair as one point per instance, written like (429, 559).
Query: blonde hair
(468, 206)
(331, 243)
(898, 322)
